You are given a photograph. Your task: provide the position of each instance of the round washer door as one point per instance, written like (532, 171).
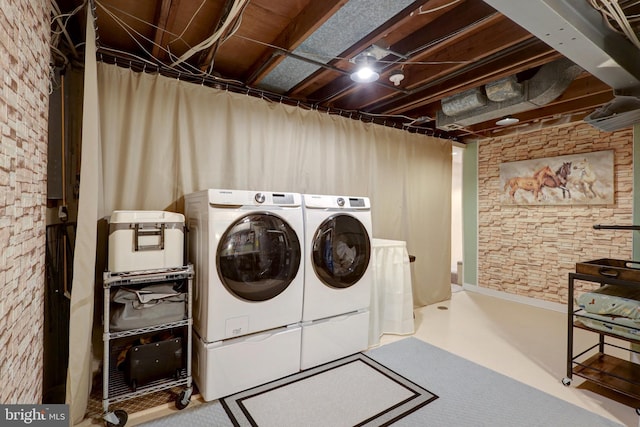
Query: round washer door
(341, 249)
(258, 257)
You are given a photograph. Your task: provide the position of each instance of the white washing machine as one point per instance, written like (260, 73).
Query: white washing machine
(246, 248)
(338, 280)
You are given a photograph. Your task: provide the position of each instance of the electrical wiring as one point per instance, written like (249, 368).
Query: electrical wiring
(128, 55)
(126, 58)
(236, 8)
(435, 9)
(186, 27)
(239, 87)
(611, 11)
(134, 17)
(62, 24)
(232, 32)
(59, 15)
(185, 68)
(327, 58)
(178, 67)
(448, 36)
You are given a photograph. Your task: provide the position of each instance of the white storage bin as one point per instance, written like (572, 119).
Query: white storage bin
(145, 240)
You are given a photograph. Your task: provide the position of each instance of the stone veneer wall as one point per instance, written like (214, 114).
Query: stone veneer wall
(24, 100)
(529, 250)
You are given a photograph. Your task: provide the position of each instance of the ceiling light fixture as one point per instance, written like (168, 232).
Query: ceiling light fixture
(506, 121)
(365, 73)
(396, 77)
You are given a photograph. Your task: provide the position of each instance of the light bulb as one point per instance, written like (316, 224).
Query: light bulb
(365, 75)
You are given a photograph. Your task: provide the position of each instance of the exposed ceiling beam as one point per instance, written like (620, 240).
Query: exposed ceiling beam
(395, 30)
(162, 19)
(465, 50)
(579, 32)
(207, 56)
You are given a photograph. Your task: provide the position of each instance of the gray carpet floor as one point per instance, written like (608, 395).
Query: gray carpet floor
(469, 395)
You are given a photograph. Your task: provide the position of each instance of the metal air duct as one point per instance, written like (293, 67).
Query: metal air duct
(580, 33)
(507, 97)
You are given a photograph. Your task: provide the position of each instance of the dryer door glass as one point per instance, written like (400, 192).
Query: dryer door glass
(258, 257)
(341, 251)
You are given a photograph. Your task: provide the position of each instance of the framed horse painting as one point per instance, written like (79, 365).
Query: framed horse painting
(576, 179)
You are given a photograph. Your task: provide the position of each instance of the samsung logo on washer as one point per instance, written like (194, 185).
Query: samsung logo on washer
(34, 415)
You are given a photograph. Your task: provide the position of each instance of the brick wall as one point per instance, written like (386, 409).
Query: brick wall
(24, 88)
(529, 250)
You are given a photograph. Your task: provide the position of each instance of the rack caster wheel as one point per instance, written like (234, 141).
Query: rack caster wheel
(566, 381)
(117, 418)
(183, 399)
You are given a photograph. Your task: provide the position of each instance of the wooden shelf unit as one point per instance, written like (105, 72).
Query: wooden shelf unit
(594, 364)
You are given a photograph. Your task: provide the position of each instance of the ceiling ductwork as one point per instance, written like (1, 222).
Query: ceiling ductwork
(506, 96)
(504, 89)
(464, 102)
(580, 33)
(621, 113)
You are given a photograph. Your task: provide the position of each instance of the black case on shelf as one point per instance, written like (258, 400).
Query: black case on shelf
(157, 360)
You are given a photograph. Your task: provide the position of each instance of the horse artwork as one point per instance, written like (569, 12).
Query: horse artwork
(531, 184)
(585, 178)
(558, 179)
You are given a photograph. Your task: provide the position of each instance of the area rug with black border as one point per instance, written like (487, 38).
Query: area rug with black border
(352, 391)
(408, 383)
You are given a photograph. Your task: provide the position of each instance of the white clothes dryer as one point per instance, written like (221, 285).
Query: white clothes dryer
(248, 287)
(338, 280)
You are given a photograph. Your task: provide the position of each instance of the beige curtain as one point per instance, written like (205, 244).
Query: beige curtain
(90, 209)
(162, 138)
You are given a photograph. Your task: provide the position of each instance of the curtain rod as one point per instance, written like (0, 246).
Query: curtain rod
(122, 59)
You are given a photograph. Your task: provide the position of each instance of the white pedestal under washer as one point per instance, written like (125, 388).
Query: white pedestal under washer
(246, 247)
(338, 279)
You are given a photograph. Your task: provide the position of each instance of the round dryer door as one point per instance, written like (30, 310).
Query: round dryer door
(258, 257)
(341, 251)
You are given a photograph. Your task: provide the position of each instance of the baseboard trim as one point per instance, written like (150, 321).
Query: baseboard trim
(548, 305)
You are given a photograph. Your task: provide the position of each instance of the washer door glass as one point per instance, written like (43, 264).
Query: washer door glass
(258, 257)
(341, 251)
